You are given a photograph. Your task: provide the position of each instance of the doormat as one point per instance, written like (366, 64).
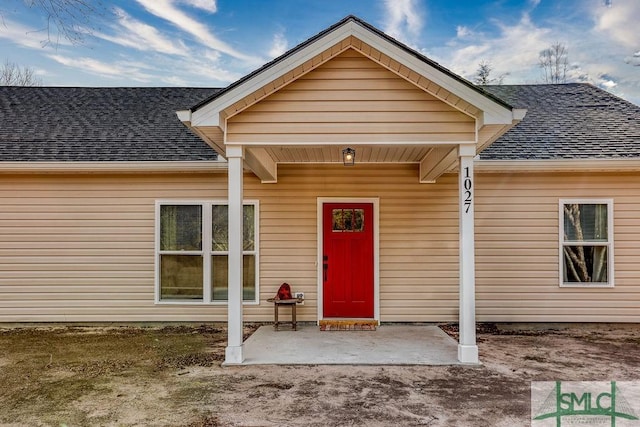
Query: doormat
(348, 325)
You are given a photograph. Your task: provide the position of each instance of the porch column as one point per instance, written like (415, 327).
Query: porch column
(234, 351)
(467, 347)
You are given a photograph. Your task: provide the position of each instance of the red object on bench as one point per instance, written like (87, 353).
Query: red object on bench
(284, 292)
(284, 297)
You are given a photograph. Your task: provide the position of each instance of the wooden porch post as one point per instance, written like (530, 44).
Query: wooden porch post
(467, 347)
(234, 351)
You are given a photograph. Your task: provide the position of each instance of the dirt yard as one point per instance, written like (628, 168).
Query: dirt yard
(171, 376)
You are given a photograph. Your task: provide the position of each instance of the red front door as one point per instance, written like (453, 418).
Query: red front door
(347, 260)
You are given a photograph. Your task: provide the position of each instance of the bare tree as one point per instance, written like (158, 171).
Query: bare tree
(13, 75)
(72, 19)
(483, 74)
(554, 62)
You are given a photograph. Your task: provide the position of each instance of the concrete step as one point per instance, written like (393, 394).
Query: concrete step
(348, 324)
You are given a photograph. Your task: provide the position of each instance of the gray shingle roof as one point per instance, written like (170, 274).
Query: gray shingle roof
(572, 121)
(567, 121)
(98, 124)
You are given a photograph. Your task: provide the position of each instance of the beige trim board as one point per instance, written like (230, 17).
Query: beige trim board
(113, 167)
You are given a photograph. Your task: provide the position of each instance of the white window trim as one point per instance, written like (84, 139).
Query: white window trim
(609, 244)
(206, 252)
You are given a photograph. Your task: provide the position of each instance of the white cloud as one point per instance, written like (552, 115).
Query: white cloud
(210, 55)
(404, 20)
(167, 10)
(598, 56)
(41, 72)
(512, 50)
(26, 36)
(462, 32)
(190, 71)
(206, 5)
(588, 73)
(609, 84)
(633, 60)
(138, 35)
(94, 66)
(174, 81)
(278, 45)
(199, 68)
(620, 22)
(611, 53)
(207, 73)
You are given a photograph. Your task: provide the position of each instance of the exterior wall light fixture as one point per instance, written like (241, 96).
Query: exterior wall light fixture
(349, 156)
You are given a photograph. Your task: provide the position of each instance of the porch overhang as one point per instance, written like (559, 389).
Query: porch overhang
(433, 157)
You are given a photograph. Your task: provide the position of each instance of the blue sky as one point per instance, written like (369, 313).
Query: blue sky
(214, 42)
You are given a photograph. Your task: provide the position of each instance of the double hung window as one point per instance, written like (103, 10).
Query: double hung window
(586, 242)
(192, 251)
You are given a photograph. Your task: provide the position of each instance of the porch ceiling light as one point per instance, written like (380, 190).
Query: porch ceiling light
(349, 156)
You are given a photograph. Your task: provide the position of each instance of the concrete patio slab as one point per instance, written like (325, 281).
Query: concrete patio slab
(388, 345)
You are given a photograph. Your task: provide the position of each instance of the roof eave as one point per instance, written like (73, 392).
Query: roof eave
(558, 165)
(185, 117)
(201, 166)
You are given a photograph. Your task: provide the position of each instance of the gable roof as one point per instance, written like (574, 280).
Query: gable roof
(486, 117)
(567, 121)
(349, 33)
(372, 29)
(109, 124)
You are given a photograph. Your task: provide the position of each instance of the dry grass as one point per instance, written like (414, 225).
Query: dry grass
(171, 376)
(46, 370)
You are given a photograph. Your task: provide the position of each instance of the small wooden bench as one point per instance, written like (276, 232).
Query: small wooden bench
(284, 302)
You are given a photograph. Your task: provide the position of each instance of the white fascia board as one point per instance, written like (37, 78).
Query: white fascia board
(502, 118)
(494, 112)
(353, 144)
(512, 117)
(209, 114)
(573, 165)
(184, 116)
(114, 167)
(519, 113)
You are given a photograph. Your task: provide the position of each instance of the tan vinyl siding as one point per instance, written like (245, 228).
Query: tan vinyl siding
(418, 236)
(350, 99)
(517, 249)
(80, 247)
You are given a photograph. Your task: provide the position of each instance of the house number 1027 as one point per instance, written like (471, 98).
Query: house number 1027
(468, 188)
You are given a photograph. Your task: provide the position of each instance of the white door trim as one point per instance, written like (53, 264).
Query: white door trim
(375, 201)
